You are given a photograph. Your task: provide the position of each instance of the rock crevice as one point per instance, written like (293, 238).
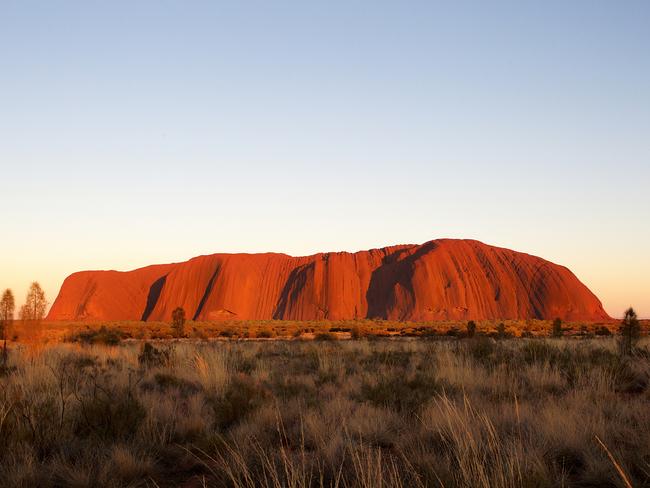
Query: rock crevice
(444, 279)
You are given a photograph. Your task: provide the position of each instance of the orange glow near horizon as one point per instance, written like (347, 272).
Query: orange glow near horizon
(617, 287)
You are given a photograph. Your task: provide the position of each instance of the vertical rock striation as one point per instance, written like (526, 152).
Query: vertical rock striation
(439, 280)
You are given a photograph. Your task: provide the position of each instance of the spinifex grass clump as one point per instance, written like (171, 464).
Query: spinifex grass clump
(476, 411)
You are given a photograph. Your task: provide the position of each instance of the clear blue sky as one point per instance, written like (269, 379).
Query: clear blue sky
(142, 132)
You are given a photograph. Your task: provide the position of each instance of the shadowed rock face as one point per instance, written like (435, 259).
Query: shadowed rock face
(438, 280)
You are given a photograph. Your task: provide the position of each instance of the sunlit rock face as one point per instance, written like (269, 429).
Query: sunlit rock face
(439, 280)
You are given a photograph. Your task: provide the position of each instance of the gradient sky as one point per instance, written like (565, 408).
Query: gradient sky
(140, 132)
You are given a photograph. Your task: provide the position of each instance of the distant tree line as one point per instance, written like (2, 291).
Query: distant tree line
(33, 310)
(629, 331)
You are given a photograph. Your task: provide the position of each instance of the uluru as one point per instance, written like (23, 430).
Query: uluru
(443, 279)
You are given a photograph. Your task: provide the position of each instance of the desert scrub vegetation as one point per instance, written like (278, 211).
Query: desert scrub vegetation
(395, 412)
(26, 332)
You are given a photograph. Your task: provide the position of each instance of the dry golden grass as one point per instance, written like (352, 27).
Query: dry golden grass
(398, 412)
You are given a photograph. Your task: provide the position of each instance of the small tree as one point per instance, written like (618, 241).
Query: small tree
(557, 330)
(471, 328)
(178, 322)
(630, 331)
(35, 304)
(7, 307)
(501, 330)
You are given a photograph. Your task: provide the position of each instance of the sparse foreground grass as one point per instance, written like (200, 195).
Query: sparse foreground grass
(359, 413)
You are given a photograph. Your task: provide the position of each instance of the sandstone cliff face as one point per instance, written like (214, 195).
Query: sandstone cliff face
(439, 280)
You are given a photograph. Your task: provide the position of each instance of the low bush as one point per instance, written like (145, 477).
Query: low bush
(105, 336)
(483, 350)
(603, 331)
(399, 393)
(242, 397)
(165, 382)
(227, 333)
(265, 334)
(395, 358)
(151, 356)
(325, 336)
